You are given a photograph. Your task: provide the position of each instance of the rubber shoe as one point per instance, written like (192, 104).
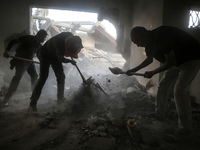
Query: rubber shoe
(61, 102)
(3, 104)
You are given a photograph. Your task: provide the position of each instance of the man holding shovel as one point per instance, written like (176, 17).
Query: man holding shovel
(28, 46)
(52, 53)
(179, 54)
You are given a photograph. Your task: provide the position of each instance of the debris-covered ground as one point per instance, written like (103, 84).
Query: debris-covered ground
(107, 115)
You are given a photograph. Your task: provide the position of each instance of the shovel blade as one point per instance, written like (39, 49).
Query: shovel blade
(116, 70)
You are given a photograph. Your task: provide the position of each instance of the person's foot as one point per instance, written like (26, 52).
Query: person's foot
(3, 103)
(61, 102)
(32, 109)
(6, 99)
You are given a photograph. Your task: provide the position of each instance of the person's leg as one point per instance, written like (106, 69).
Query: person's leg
(58, 69)
(20, 70)
(188, 71)
(44, 72)
(166, 87)
(33, 74)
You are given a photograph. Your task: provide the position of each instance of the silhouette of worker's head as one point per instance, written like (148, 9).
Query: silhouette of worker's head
(73, 46)
(139, 36)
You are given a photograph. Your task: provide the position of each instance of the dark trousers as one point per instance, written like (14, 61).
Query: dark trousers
(44, 72)
(21, 67)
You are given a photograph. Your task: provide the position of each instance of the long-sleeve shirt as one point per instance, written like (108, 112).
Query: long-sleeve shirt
(27, 48)
(166, 38)
(54, 48)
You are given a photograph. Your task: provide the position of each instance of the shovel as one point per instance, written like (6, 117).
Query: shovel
(24, 59)
(88, 81)
(117, 71)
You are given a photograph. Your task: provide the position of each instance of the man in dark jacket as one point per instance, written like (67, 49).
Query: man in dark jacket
(27, 48)
(52, 53)
(178, 51)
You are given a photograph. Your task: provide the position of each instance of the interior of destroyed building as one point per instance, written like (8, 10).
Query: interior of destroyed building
(102, 109)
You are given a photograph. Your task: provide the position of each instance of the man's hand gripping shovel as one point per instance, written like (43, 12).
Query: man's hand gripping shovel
(86, 82)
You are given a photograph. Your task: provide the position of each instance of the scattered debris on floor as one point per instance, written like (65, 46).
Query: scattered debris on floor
(91, 119)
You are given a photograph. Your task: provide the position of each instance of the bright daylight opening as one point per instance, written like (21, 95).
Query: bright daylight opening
(194, 19)
(99, 38)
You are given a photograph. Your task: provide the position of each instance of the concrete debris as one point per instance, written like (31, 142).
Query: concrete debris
(100, 143)
(52, 125)
(147, 133)
(106, 127)
(129, 92)
(96, 121)
(48, 120)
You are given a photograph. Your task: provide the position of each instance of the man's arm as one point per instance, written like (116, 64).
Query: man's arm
(169, 63)
(10, 45)
(65, 60)
(145, 63)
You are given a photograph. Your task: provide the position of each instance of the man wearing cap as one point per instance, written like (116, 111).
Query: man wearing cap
(53, 53)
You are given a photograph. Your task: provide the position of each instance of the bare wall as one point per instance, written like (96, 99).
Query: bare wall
(149, 15)
(15, 17)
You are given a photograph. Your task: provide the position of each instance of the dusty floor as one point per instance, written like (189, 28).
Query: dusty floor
(90, 120)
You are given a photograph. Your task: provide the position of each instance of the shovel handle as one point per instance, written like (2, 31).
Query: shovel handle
(24, 59)
(83, 78)
(136, 74)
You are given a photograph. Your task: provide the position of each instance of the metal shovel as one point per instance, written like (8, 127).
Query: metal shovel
(83, 78)
(117, 71)
(89, 81)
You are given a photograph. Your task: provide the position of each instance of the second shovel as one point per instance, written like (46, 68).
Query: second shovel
(117, 71)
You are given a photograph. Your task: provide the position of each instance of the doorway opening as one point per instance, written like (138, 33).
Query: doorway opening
(99, 37)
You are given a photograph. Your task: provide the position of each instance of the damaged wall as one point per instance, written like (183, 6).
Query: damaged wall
(15, 17)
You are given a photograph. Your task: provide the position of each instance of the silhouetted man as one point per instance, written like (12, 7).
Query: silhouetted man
(27, 48)
(177, 51)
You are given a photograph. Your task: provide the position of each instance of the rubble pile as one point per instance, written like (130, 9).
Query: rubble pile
(48, 120)
(104, 119)
(101, 117)
(118, 119)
